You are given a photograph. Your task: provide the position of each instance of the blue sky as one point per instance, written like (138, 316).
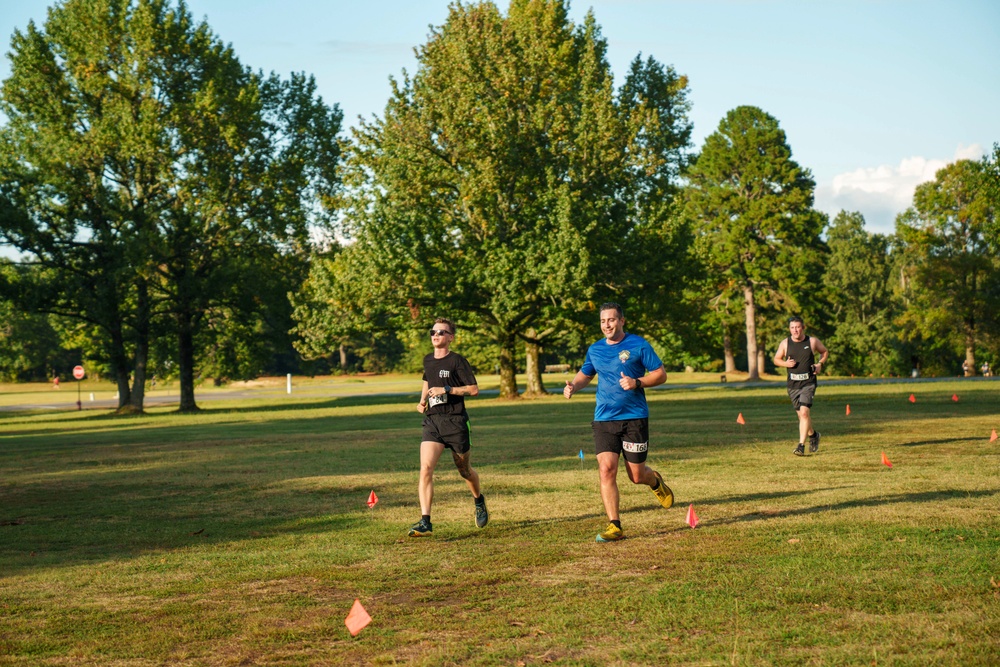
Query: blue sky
(874, 96)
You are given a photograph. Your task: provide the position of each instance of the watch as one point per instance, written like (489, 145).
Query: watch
(638, 384)
(447, 389)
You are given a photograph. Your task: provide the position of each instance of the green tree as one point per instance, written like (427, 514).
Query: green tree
(954, 275)
(31, 347)
(495, 187)
(751, 204)
(339, 313)
(858, 281)
(153, 170)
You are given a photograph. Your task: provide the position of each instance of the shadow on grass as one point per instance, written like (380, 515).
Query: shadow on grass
(924, 497)
(751, 497)
(943, 441)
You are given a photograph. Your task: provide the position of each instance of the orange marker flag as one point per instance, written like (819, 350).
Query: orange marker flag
(372, 499)
(913, 399)
(357, 619)
(692, 518)
(954, 397)
(740, 420)
(885, 461)
(993, 436)
(848, 408)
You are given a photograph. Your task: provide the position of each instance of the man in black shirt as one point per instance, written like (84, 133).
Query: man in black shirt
(797, 354)
(448, 379)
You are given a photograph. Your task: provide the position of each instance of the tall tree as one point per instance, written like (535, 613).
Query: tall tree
(955, 275)
(151, 167)
(752, 206)
(493, 188)
(858, 284)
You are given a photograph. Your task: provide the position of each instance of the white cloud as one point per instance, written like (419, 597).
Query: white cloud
(880, 193)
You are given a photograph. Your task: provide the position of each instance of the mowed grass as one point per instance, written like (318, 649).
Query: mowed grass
(240, 535)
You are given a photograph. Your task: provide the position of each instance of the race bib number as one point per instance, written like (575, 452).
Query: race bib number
(799, 376)
(634, 447)
(437, 400)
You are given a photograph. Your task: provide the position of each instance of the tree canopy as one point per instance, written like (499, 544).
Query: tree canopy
(752, 206)
(149, 173)
(497, 184)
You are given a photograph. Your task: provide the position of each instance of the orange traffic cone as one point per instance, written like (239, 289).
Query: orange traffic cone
(692, 518)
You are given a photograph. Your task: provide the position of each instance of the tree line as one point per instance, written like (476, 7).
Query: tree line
(162, 196)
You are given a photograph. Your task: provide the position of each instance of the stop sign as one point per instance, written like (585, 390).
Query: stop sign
(78, 372)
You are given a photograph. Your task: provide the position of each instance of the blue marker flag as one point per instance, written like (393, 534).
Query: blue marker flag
(581, 454)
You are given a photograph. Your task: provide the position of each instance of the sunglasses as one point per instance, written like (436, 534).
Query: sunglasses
(440, 332)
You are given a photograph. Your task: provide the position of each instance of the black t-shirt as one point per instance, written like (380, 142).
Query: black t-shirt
(452, 370)
(801, 353)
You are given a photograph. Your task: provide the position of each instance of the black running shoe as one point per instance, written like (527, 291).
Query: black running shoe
(421, 528)
(482, 514)
(799, 450)
(814, 442)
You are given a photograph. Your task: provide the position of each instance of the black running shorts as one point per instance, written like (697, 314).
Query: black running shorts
(452, 431)
(629, 437)
(802, 395)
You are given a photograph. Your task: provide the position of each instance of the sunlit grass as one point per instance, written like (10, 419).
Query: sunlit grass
(240, 535)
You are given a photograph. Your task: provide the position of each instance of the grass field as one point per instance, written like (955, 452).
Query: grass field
(240, 535)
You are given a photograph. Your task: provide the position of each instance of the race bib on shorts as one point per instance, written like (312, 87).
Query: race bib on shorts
(799, 376)
(635, 447)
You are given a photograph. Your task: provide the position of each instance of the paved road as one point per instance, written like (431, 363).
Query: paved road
(68, 401)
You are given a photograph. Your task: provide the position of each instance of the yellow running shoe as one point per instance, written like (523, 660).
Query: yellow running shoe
(611, 534)
(663, 492)
(421, 528)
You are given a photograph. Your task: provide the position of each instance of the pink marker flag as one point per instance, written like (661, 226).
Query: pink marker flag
(848, 408)
(372, 499)
(993, 436)
(692, 518)
(357, 619)
(886, 461)
(913, 399)
(954, 397)
(739, 419)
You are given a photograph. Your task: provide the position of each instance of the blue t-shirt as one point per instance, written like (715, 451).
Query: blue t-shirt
(631, 355)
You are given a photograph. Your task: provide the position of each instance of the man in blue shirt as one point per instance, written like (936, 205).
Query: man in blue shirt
(627, 364)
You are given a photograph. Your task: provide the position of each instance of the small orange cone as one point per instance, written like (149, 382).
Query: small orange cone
(372, 499)
(993, 436)
(739, 419)
(357, 619)
(913, 399)
(885, 461)
(954, 397)
(692, 518)
(848, 408)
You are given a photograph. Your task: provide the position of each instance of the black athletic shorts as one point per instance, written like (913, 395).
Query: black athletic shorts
(452, 431)
(802, 395)
(626, 436)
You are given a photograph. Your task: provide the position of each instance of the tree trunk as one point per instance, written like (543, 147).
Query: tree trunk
(138, 397)
(185, 348)
(727, 350)
(761, 362)
(343, 357)
(751, 333)
(970, 357)
(119, 369)
(508, 379)
(536, 387)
